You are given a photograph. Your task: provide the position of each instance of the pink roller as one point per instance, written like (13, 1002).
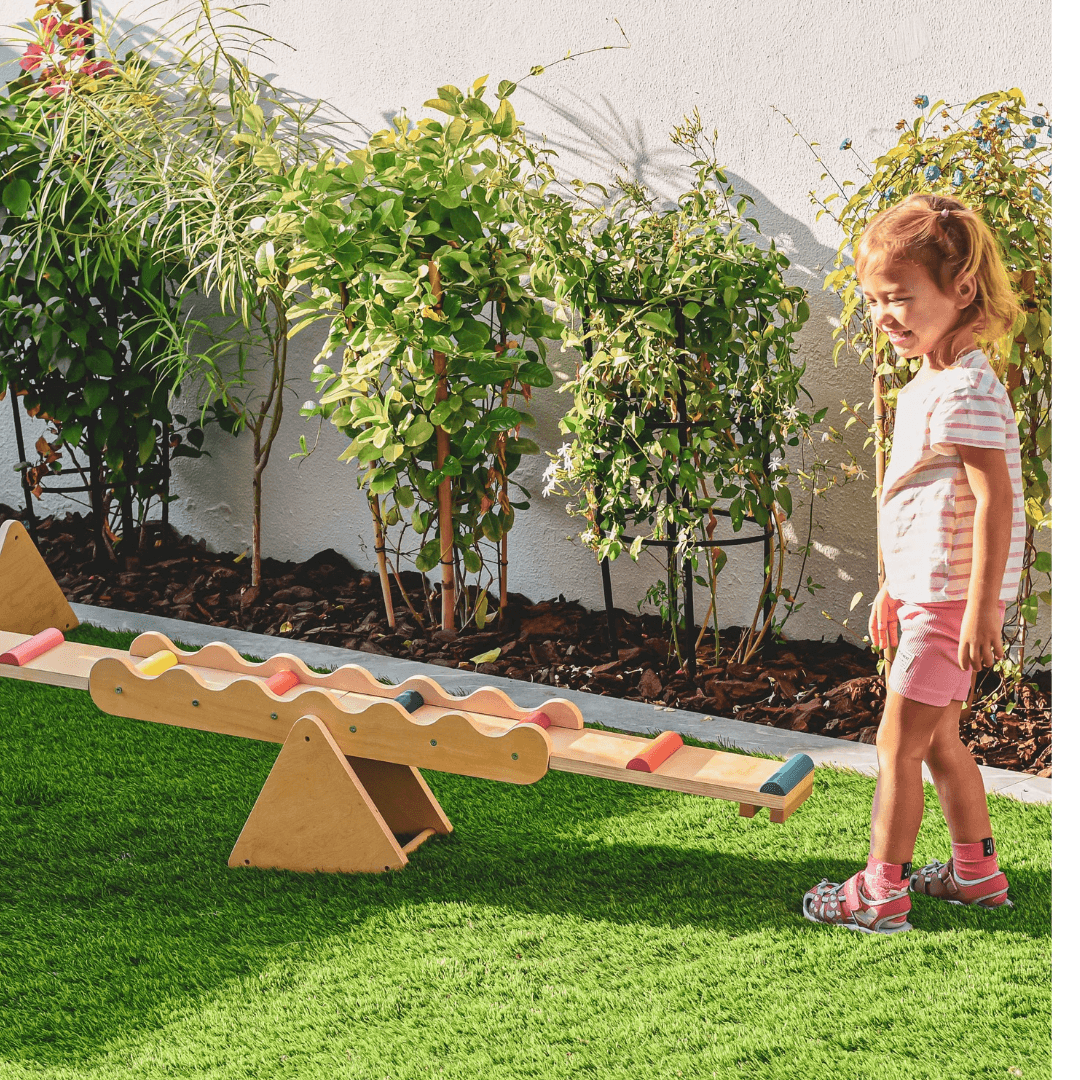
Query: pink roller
(657, 752)
(33, 647)
(539, 718)
(281, 682)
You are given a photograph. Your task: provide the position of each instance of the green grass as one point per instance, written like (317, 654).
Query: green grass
(574, 927)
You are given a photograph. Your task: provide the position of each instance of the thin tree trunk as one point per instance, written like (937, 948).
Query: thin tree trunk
(879, 476)
(446, 496)
(380, 555)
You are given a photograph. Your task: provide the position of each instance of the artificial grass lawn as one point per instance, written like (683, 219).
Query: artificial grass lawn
(575, 927)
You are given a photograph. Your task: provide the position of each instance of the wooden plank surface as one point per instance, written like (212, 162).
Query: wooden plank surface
(66, 665)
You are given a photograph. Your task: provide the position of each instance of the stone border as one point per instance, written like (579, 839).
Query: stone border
(632, 716)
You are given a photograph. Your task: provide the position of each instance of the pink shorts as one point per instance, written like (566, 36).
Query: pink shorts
(925, 668)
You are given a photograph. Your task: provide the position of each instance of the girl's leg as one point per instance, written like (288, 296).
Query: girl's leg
(959, 785)
(904, 740)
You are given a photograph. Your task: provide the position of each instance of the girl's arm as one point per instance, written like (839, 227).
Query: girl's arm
(980, 633)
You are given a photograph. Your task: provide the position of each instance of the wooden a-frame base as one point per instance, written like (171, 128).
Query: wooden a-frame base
(30, 599)
(322, 811)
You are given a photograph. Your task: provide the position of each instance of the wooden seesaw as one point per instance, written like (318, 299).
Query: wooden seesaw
(345, 793)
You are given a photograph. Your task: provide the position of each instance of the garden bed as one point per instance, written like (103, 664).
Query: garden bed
(826, 687)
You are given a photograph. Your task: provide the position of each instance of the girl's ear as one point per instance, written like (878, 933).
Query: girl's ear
(966, 288)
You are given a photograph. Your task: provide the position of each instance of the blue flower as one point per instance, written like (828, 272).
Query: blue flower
(932, 172)
(846, 144)
(1002, 124)
(1050, 132)
(984, 144)
(1029, 142)
(922, 101)
(890, 192)
(1039, 121)
(1036, 194)
(978, 169)
(958, 177)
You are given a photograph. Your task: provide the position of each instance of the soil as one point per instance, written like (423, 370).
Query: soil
(826, 687)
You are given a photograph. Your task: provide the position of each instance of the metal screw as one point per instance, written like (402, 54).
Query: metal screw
(195, 702)
(514, 756)
(273, 716)
(353, 728)
(434, 743)
(119, 689)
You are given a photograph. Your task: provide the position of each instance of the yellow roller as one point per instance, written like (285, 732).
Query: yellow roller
(156, 664)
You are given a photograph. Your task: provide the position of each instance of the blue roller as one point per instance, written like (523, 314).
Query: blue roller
(410, 700)
(787, 777)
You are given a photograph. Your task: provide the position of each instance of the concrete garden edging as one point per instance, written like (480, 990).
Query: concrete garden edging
(631, 716)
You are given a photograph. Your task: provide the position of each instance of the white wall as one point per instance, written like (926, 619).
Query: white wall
(838, 68)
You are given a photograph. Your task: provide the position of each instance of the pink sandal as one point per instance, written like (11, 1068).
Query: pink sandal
(942, 883)
(847, 905)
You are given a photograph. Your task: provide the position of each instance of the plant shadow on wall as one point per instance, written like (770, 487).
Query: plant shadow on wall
(993, 153)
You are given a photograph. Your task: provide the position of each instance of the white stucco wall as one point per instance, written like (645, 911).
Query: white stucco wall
(838, 68)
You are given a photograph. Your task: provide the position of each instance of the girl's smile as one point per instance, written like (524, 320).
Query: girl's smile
(907, 305)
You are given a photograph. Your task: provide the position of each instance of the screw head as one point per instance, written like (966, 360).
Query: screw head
(353, 729)
(273, 716)
(514, 756)
(119, 689)
(434, 743)
(195, 701)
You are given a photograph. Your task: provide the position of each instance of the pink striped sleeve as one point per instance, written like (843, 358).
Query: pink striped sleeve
(966, 417)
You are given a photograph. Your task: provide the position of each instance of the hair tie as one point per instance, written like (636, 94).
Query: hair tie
(944, 213)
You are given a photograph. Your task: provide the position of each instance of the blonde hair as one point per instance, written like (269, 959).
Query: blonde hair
(952, 242)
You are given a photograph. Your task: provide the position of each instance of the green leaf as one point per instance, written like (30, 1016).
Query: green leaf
(1043, 562)
(503, 124)
(506, 88)
(534, 374)
(659, 320)
(94, 393)
(418, 433)
(451, 108)
(17, 196)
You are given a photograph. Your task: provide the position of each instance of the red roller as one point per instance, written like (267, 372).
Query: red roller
(281, 682)
(33, 647)
(539, 718)
(657, 752)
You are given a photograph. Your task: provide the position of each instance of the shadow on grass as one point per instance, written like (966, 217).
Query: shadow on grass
(117, 907)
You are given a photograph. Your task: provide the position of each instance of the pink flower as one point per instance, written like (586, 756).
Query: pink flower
(99, 67)
(34, 58)
(55, 89)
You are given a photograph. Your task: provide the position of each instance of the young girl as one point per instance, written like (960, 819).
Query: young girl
(951, 527)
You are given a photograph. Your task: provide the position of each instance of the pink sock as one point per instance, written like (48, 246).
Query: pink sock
(973, 861)
(882, 879)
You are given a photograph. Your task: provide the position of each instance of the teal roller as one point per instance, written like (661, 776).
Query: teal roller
(410, 700)
(787, 777)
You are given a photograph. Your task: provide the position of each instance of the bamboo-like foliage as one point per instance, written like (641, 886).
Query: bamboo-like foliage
(196, 150)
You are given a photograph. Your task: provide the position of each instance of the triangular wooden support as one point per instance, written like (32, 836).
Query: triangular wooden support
(315, 812)
(30, 599)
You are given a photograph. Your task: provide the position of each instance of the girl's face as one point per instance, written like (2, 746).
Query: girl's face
(906, 303)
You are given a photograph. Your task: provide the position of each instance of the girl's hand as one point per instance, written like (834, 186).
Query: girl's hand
(884, 625)
(980, 639)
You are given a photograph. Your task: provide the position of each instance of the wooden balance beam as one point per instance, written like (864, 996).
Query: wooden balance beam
(345, 793)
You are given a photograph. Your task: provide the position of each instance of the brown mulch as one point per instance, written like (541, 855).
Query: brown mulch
(825, 687)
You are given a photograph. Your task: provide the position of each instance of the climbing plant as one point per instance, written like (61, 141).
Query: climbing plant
(994, 153)
(688, 381)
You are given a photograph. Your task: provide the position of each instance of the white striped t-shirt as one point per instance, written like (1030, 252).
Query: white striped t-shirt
(926, 508)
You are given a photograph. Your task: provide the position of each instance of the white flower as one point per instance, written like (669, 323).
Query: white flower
(257, 224)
